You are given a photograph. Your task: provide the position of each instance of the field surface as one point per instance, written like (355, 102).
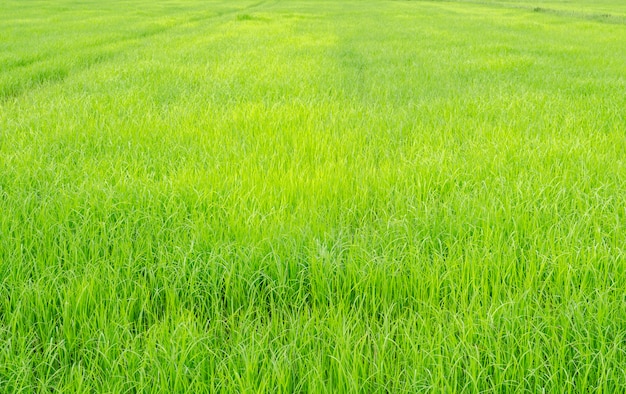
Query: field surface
(312, 196)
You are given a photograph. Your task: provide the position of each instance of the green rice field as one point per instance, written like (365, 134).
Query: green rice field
(312, 196)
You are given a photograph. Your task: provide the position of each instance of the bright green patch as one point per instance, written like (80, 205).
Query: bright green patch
(312, 196)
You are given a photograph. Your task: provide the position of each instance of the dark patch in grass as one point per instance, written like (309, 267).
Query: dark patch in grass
(8, 91)
(248, 17)
(35, 80)
(244, 17)
(20, 62)
(606, 18)
(51, 74)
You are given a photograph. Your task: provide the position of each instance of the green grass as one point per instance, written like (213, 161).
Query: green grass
(312, 196)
